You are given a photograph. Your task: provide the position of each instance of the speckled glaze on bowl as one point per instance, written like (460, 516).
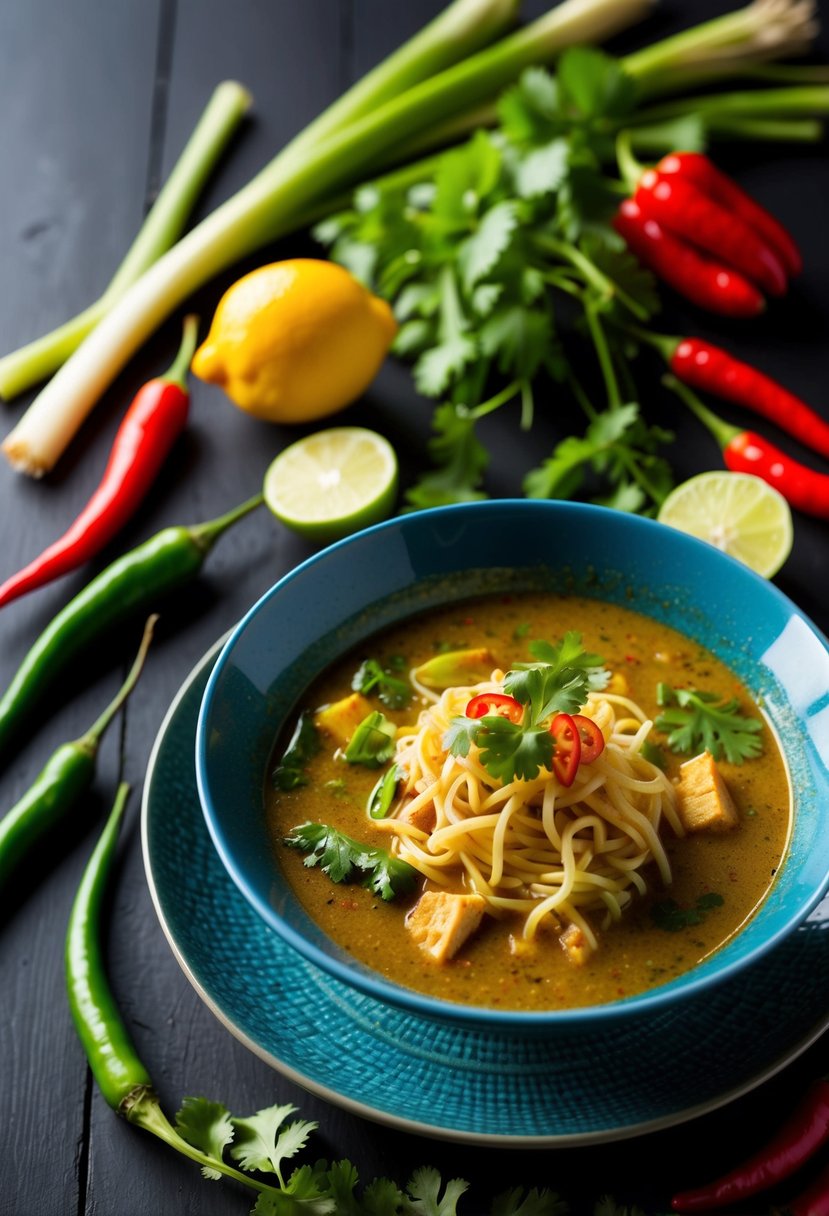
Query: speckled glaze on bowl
(381, 576)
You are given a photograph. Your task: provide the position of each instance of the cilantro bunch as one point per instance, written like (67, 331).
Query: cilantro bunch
(559, 681)
(498, 255)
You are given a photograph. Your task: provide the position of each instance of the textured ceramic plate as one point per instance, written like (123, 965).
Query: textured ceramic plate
(456, 1083)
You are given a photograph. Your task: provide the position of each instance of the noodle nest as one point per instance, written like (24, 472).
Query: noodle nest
(533, 847)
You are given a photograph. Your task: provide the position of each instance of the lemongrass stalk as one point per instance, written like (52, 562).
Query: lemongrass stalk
(462, 28)
(278, 201)
(783, 130)
(808, 101)
(161, 229)
(762, 30)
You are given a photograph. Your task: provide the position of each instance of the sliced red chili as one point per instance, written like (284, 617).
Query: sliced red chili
(498, 703)
(590, 736)
(567, 754)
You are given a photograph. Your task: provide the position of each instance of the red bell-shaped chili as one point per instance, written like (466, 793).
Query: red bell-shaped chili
(700, 279)
(696, 168)
(681, 207)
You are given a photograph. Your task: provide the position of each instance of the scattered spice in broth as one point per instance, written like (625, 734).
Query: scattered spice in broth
(718, 879)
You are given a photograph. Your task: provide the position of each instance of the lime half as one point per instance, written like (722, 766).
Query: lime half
(332, 483)
(738, 513)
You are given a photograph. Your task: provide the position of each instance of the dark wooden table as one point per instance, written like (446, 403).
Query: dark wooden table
(96, 101)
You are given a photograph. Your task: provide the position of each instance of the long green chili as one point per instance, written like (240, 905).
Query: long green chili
(113, 1058)
(115, 1064)
(66, 776)
(132, 584)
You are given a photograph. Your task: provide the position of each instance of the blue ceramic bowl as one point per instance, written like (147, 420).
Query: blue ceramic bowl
(377, 578)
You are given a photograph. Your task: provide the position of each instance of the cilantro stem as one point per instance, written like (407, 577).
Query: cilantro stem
(614, 396)
(494, 403)
(578, 392)
(147, 1114)
(629, 167)
(591, 273)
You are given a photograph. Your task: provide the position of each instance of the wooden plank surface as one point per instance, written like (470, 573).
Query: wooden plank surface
(95, 103)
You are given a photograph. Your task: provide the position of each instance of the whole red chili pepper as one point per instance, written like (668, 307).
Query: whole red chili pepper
(796, 1141)
(747, 452)
(700, 279)
(712, 370)
(152, 423)
(696, 168)
(678, 205)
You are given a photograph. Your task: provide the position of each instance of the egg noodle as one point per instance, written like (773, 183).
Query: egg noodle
(533, 847)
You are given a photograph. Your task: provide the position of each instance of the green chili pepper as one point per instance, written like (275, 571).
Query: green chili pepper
(120, 1074)
(67, 775)
(131, 584)
(116, 1065)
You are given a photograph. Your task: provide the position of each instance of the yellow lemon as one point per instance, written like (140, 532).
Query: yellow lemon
(295, 340)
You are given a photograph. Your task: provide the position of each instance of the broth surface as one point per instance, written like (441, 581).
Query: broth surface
(635, 954)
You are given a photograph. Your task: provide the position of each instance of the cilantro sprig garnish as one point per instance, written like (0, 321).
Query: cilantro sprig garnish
(558, 681)
(696, 721)
(344, 859)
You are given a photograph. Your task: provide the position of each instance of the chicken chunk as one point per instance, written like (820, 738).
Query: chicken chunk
(441, 921)
(703, 801)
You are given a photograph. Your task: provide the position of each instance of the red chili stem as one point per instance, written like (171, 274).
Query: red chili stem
(710, 369)
(151, 425)
(801, 1135)
(696, 168)
(679, 206)
(805, 489)
(699, 278)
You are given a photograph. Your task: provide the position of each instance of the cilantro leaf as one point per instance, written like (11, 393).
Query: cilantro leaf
(425, 1197)
(543, 169)
(303, 746)
(208, 1127)
(263, 1142)
(461, 459)
(593, 84)
(480, 252)
(534, 1203)
(392, 691)
(696, 721)
(618, 447)
(509, 751)
(344, 859)
(461, 733)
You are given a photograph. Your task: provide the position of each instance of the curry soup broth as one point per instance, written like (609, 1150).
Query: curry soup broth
(636, 954)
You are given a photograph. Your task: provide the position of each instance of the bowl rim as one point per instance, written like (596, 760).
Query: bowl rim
(373, 984)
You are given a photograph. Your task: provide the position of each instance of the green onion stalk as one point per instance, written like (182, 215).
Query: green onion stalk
(360, 135)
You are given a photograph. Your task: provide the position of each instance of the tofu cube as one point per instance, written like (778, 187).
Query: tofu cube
(340, 719)
(441, 921)
(423, 817)
(703, 801)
